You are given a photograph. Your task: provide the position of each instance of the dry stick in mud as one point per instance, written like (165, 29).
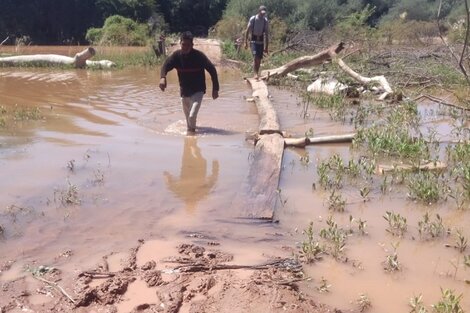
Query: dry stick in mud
(57, 286)
(326, 55)
(80, 60)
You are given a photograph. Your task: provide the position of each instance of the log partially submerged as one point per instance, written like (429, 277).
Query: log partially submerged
(258, 196)
(331, 54)
(80, 60)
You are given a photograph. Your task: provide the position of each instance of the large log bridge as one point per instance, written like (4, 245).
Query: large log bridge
(259, 194)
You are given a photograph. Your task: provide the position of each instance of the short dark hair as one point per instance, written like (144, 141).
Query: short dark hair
(187, 36)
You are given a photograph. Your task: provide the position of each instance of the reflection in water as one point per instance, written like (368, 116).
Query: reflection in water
(192, 185)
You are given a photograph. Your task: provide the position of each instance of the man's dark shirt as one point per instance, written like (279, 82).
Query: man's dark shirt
(190, 68)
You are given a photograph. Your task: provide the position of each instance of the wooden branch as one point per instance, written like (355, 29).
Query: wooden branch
(429, 166)
(467, 32)
(288, 264)
(381, 80)
(459, 61)
(57, 286)
(80, 60)
(440, 101)
(302, 142)
(330, 54)
(1, 43)
(304, 61)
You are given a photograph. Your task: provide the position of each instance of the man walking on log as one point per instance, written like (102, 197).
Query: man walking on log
(258, 27)
(190, 65)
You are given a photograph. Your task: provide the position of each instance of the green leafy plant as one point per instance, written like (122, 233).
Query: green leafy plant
(391, 263)
(336, 202)
(364, 303)
(431, 229)
(425, 186)
(449, 303)
(397, 224)
(336, 236)
(311, 250)
(416, 304)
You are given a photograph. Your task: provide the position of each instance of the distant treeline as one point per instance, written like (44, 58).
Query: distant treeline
(67, 21)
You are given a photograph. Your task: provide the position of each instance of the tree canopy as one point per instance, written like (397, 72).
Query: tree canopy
(67, 21)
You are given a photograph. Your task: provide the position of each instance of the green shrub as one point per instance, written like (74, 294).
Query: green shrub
(118, 30)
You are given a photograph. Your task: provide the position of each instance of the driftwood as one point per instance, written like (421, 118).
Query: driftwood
(304, 61)
(429, 166)
(381, 80)
(302, 142)
(80, 60)
(331, 54)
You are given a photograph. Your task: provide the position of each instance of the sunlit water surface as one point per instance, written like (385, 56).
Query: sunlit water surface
(109, 163)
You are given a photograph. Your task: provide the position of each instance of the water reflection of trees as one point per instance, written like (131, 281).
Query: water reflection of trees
(193, 184)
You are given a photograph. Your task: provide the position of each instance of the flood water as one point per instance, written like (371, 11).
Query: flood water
(109, 163)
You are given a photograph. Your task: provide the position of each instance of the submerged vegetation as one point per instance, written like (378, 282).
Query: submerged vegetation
(10, 116)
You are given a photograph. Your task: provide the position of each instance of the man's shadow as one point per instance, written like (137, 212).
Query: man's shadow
(192, 185)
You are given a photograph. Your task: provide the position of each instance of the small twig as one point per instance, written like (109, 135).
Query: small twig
(459, 60)
(1, 43)
(440, 101)
(57, 286)
(97, 274)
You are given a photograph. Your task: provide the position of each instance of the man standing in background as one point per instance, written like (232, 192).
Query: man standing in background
(258, 27)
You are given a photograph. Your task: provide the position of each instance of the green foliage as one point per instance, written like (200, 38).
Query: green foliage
(231, 28)
(118, 30)
(311, 250)
(405, 31)
(397, 225)
(354, 26)
(425, 186)
(430, 229)
(449, 303)
(416, 304)
(18, 114)
(140, 10)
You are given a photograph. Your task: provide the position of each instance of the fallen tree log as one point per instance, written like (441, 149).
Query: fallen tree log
(380, 80)
(269, 122)
(80, 60)
(305, 61)
(302, 142)
(331, 54)
(429, 166)
(258, 196)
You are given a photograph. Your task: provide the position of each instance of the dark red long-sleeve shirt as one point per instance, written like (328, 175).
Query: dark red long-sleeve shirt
(190, 68)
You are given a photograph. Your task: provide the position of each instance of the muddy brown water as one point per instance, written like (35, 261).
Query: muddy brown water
(120, 142)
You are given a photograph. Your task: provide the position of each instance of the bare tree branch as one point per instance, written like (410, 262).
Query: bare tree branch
(459, 60)
(467, 29)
